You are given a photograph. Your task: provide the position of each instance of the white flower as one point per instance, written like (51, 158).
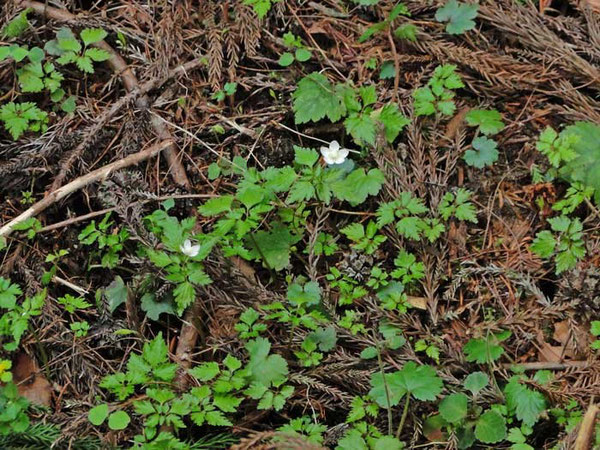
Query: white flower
(188, 249)
(334, 154)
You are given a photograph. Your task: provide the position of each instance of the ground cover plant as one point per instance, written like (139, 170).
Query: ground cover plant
(346, 224)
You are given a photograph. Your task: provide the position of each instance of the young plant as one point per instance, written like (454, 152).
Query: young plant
(458, 205)
(564, 242)
(301, 308)
(19, 118)
(437, 96)
(316, 98)
(248, 326)
(412, 381)
(180, 259)
(15, 320)
(70, 50)
(261, 7)
(399, 10)
(109, 243)
(305, 427)
(301, 53)
(72, 304)
(363, 239)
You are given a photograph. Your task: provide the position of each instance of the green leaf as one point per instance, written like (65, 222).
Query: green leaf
(355, 231)
(527, 404)
(21, 117)
(595, 327)
(155, 352)
(489, 122)
(184, 294)
(96, 54)
(216, 206)
(476, 381)
(421, 382)
(372, 31)
(585, 165)
(286, 59)
(118, 420)
(116, 293)
(315, 98)
(544, 244)
(388, 70)
(393, 121)
(305, 156)
(265, 368)
(388, 443)
(84, 64)
(324, 337)
(274, 247)
(98, 414)
(69, 104)
(458, 15)
(454, 407)
(17, 26)
(92, 35)
(369, 352)
(357, 186)
(485, 350)
(408, 31)
(67, 41)
(361, 127)
(490, 428)
(153, 308)
(484, 153)
(303, 54)
(8, 293)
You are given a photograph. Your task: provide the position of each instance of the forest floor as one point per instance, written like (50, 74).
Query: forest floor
(189, 259)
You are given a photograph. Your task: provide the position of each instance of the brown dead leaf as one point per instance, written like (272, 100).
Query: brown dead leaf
(30, 383)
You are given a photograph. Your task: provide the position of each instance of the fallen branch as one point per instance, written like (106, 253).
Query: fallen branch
(120, 67)
(78, 183)
(543, 365)
(587, 428)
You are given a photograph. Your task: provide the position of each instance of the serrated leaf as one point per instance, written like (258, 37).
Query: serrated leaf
(454, 407)
(476, 381)
(315, 98)
(97, 54)
(393, 121)
(488, 121)
(357, 186)
(484, 153)
(274, 246)
(265, 368)
(527, 404)
(490, 428)
(361, 127)
(458, 15)
(544, 244)
(421, 382)
(92, 35)
(216, 206)
(116, 293)
(485, 350)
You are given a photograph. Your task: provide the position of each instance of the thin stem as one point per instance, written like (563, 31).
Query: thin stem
(387, 389)
(404, 416)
